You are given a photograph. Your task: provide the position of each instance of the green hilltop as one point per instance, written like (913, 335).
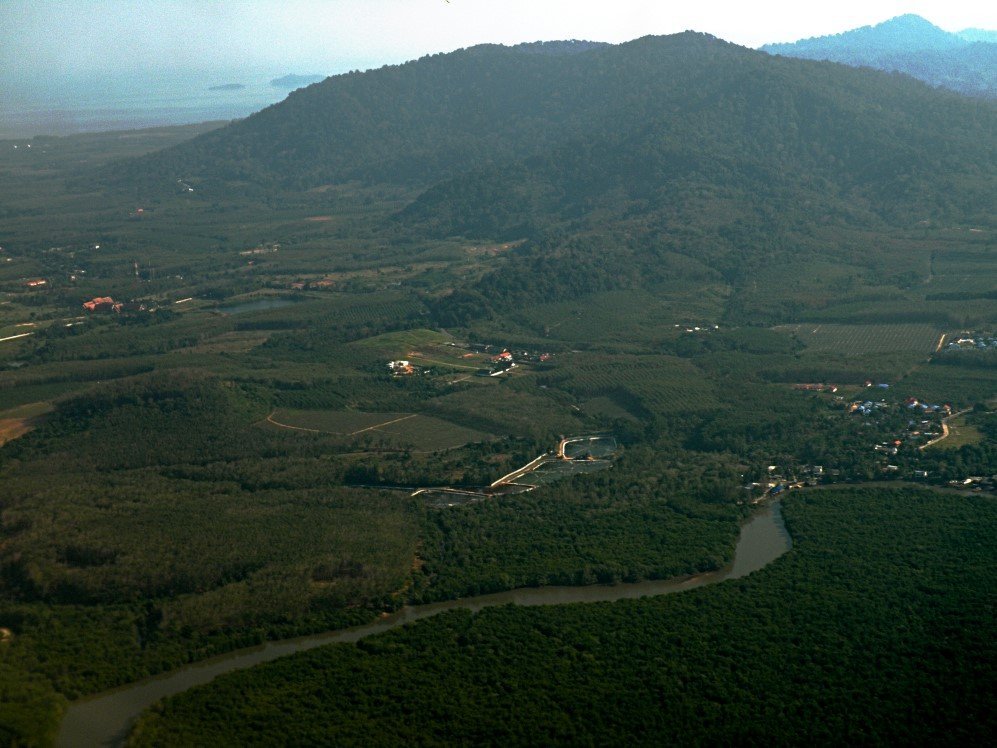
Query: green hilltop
(655, 98)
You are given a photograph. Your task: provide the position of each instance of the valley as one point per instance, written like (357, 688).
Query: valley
(293, 374)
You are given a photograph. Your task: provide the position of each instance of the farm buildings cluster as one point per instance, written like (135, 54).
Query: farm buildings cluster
(502, 353)
(401, 368)
(976, 483)
(501, 360)
(496, 360)
(505, 360)
(970, 340)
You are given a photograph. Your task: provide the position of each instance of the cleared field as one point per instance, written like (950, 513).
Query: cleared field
(19, 421)
(11, 428)
(606, 407)
(428, 433)
(29, 410)
(395, 343)
(865, 339)
(424, 348)
(31, 393)
(500, 408)
(229, 342)
(342, 422)
(960, 434)
(399, 430)
(624, 315)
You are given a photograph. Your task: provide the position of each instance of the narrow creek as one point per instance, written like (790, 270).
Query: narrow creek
(105, 719)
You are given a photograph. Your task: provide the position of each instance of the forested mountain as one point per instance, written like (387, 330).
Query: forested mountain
(623, 165)
(648, 100)
(964, 61)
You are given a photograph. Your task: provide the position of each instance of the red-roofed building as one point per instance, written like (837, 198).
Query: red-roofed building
(100, 304)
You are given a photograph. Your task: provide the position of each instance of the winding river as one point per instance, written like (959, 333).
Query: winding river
(105, 719)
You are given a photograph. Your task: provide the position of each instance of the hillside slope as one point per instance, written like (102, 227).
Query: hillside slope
(487, 106)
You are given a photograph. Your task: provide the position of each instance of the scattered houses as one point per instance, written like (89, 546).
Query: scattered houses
(976, 483)
(690, 328)
(261, 250)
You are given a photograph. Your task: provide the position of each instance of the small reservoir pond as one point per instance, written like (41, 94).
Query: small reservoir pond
(104, 719)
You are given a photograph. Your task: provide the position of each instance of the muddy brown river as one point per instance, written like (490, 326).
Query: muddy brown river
(105, 719)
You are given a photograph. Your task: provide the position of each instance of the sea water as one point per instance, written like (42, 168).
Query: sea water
(72, 103)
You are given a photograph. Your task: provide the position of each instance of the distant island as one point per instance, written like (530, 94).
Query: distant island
(227, 87)
(296, 81)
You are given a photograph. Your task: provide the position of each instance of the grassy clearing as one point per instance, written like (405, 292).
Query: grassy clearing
(606, 407)
(341, 422)
(229, 342)
(426, 433)
(400, 430)
(426, 348)
(20, 420)
(960, 434)
(30, 393)
(11, 428)
(396, 343)
(503, 409)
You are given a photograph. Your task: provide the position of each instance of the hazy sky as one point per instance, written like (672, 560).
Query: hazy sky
(330, 36)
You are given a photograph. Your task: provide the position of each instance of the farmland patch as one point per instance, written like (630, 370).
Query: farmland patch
(654, 384)
(864, 339)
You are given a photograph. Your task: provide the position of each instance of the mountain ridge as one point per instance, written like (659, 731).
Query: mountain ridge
(965, 61)
(441, 116)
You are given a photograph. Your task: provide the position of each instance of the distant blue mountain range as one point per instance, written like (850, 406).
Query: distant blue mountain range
(965, 61)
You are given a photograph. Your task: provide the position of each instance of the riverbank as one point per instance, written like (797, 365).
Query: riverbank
(104, 719)
(876, 629)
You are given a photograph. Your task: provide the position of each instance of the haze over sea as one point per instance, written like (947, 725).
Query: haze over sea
(66, 104)
(90, 65)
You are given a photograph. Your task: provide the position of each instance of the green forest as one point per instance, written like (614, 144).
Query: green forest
(876, 628)
(757, 276)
